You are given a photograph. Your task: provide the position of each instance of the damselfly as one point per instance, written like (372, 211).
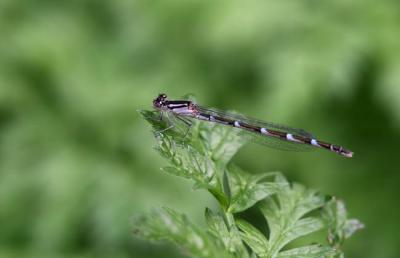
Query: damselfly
(280, 136)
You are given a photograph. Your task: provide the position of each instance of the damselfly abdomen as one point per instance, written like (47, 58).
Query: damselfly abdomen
(290, 138)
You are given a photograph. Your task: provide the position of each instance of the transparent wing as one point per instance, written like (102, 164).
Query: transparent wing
(269, 141)
(168, 123)
(273, 142)
(253, 121)
(178, 126)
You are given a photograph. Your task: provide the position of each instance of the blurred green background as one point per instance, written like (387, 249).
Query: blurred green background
(76, 160)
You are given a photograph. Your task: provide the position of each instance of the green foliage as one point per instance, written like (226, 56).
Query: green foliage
(246, 190)
(166, 224)
(286, 220)
(75, 162)
(203, 155)
(339, 226)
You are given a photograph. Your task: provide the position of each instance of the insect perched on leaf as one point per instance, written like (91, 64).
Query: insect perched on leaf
(270, 134)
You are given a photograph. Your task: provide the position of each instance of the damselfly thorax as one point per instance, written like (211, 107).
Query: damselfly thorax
(265, 132)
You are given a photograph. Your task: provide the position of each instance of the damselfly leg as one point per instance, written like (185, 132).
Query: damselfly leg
(188, 123)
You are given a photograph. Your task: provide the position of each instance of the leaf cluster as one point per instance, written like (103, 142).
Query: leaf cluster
(291, 211)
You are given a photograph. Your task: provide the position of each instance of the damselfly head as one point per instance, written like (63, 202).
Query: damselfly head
(159, 102)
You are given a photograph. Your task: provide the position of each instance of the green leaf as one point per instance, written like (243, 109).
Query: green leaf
(351, 226)
(253, 238)
(218, 142)
(201, 155)
(285, 214)
(311, 251)
(222, 141)
(246, 190)
(217, 227)
(175, 172)
(340, 227)
(227, 233)
(301, 228)
(187, 162)
(161, 125)
(166, 224)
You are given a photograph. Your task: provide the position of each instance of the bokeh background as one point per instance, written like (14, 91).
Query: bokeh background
(77, 161)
